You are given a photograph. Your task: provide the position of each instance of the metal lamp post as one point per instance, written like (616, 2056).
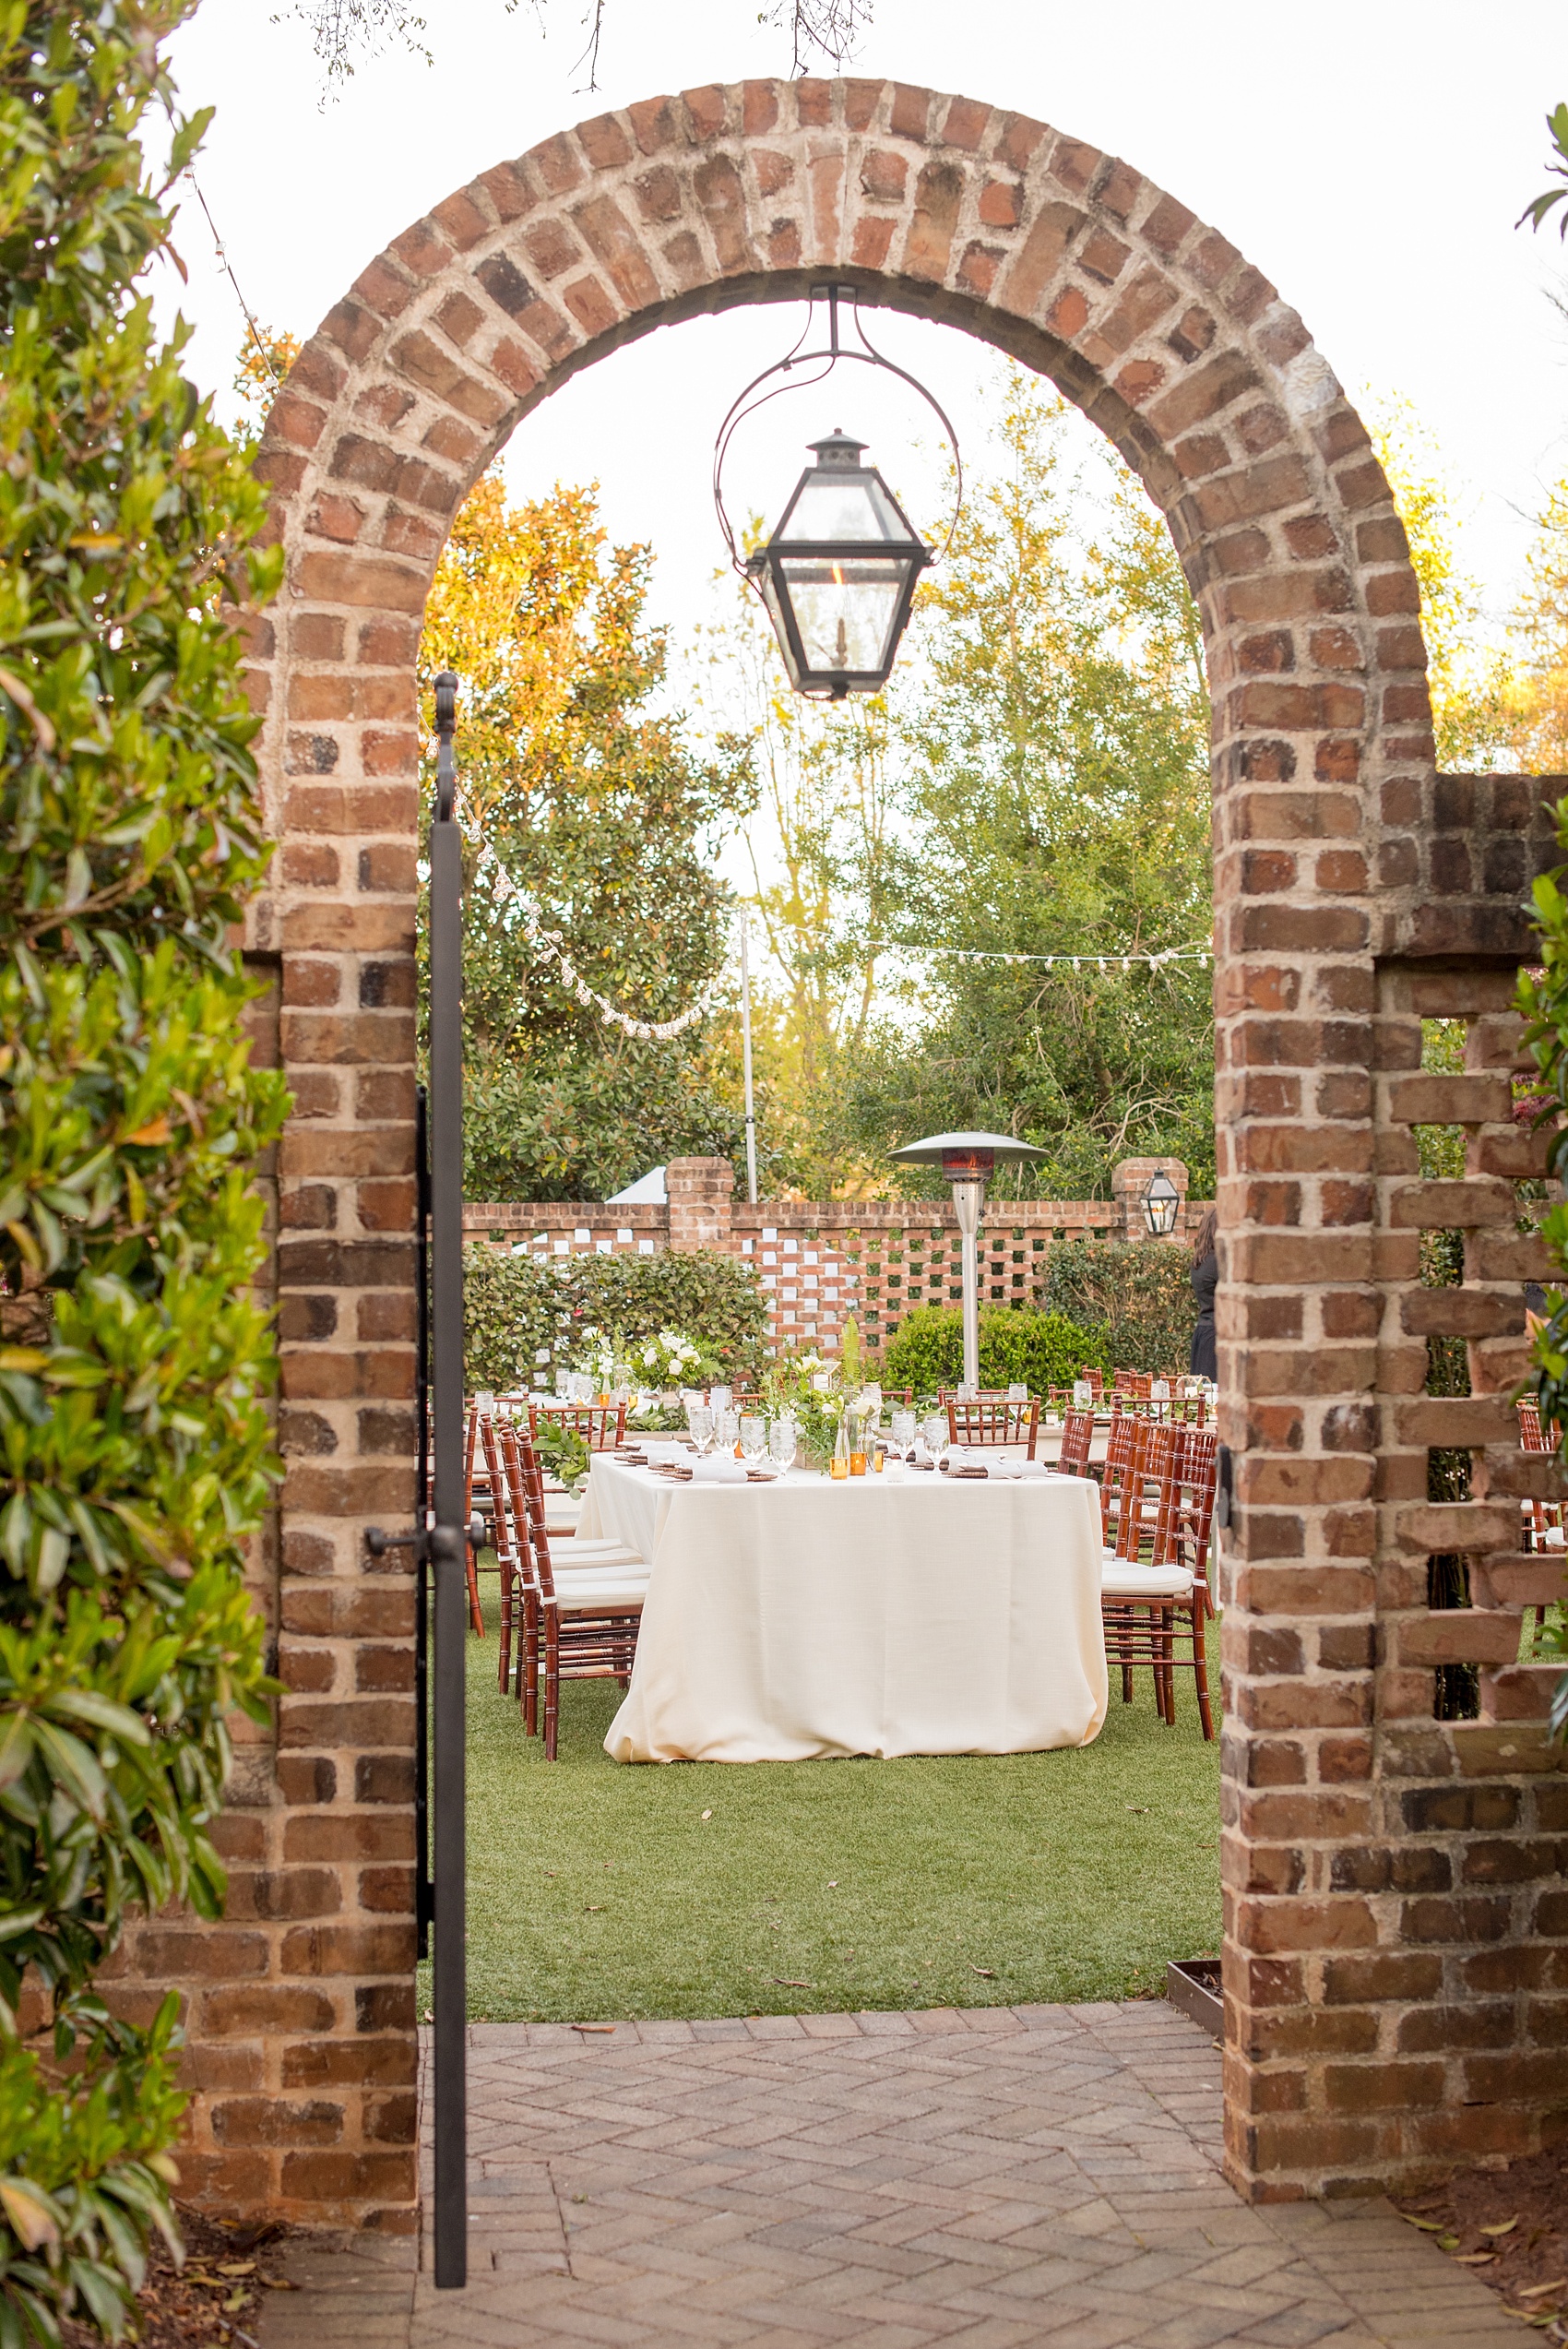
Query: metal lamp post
(969, 1162)
(1162, 1204)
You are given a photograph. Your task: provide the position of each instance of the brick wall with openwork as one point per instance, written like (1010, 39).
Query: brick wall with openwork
(816, 1262)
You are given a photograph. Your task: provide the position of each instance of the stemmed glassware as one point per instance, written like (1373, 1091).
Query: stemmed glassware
(903, 1428)
(699, 1425)
(753, 1440)
(781, 1441)
(726, 1428)
(935, 1434)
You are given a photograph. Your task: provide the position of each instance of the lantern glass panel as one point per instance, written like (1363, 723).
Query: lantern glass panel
(846, 611)
(837, 502)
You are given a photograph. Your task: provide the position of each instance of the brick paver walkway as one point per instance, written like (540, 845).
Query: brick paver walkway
(992, 2179)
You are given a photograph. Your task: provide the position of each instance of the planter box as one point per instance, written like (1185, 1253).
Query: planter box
(1192, 1984)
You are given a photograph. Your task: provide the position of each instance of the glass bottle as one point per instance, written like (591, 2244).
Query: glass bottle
(839, 1466)
(857, 1442)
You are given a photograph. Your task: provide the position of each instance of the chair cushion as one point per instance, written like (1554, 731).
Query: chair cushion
(606, 1597)
(1120, 1578)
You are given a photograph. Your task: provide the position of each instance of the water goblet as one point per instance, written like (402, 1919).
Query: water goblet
(726, 1428)
(699, 1426)
(781, 1441)
(903, 1430)
(935, 1436)
(754, 1439)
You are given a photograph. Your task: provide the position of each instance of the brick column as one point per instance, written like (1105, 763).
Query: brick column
(1131, 1178)
(700, 1190)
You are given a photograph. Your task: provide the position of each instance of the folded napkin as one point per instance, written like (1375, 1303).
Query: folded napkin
(720, 1469)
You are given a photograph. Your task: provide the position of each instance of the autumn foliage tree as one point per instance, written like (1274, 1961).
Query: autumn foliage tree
(582, 801)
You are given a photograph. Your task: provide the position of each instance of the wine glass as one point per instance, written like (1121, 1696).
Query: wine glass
(726, 1428)
(904, 1431)
(934, 1433)
(754, 1439)
(699, 1425)
(781, 1440)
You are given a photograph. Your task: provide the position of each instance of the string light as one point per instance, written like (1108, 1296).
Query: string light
(552, 944)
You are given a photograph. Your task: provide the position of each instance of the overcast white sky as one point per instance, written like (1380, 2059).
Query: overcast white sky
(1371, 156)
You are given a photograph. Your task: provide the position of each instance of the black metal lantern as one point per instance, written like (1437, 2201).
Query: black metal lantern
(1162, 1204)
(837, 576)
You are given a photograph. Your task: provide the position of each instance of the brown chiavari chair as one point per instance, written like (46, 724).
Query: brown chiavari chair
(588, 1618)
(1543, 1520)
(1152, 1605)
(476, 1612)
(1133, 1384)
(603, 1427)
(1078, 1433)
(1094, 1381)
(519, 1609)
(1118, 1450)
(996, 1424)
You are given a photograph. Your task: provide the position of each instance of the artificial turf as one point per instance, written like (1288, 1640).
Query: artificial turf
(599, 1890)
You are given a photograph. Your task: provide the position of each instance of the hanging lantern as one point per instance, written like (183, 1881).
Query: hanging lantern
(838, 574)
(1162, 1204)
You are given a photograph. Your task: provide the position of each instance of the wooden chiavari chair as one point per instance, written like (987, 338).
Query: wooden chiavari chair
(476, 1612)
(520, 1610)
(588, 1616)
(1077, 1435)
(1118, 1452)
(995, 1423)
(603, 1427)
(1151, 1603)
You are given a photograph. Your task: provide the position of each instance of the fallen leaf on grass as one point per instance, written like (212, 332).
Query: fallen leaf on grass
(1140, 1809)
(988, 1971)
(594, 1908)
(785, 1983)
(1505, 2226)
(707, 1814)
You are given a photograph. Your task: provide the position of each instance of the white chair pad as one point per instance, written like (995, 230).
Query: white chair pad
(608, 1597)
(1121, 1579)
(598, 1550)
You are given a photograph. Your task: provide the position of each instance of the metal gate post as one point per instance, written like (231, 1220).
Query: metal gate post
(446, 1540)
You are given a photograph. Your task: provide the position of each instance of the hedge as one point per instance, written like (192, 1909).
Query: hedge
(523, 1315)
(1016, 1347)
(138, 1459)
(1137, 1292)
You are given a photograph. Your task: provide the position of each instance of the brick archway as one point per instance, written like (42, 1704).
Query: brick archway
(1210, 387)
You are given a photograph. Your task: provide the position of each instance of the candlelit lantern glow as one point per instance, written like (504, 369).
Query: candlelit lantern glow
(839, 574)
(1162, 1204)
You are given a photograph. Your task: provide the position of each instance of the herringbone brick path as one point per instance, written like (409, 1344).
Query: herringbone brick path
(995, 2179)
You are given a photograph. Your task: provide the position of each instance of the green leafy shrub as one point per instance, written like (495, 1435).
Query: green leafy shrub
(1016, 1347)
(133, 1420)
(525, 1316)
(1139, 1292)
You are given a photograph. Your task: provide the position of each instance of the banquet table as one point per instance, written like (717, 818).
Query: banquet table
(933, 1615)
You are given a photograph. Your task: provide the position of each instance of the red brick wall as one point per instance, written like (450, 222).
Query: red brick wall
(1353, 2046)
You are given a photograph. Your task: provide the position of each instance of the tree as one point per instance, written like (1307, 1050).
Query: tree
(344, 30)
(1540, 208)
(584, 810)
(1056, 804)
(135, 1438)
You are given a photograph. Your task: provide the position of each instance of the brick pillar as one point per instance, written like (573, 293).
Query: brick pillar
(700, 1190)
(1131, 1178)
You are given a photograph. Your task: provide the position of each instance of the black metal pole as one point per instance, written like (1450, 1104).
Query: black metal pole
(446, 1540)
(425, 1889)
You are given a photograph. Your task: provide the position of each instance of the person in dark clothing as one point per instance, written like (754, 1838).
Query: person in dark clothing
(1205, 1359)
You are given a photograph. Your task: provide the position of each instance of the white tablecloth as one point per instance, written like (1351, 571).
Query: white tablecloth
(936, 1615)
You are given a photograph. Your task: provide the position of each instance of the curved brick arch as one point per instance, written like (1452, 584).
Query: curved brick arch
(1209, 385)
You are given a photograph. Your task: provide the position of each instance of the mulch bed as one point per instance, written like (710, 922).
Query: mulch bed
(214, 2299)
(1509, 2227)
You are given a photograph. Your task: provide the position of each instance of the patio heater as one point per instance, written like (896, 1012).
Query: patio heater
(969, 1162)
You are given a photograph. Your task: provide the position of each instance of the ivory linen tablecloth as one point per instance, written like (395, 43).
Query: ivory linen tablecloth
(936, 1615)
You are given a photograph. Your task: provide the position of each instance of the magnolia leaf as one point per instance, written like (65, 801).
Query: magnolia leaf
(35, 2216)
(102, 1712)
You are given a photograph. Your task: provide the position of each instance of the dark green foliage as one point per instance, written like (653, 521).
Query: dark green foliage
(584, 1128)
(523, 1315)
(1016, 1347)
(131, 1391)
(1138, 1291)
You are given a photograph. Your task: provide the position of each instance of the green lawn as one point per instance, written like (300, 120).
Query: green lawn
(597, 1891)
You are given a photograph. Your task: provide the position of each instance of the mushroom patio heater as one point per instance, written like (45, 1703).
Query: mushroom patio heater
(968, 1161)
(837, 576)
(1162, 1204)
